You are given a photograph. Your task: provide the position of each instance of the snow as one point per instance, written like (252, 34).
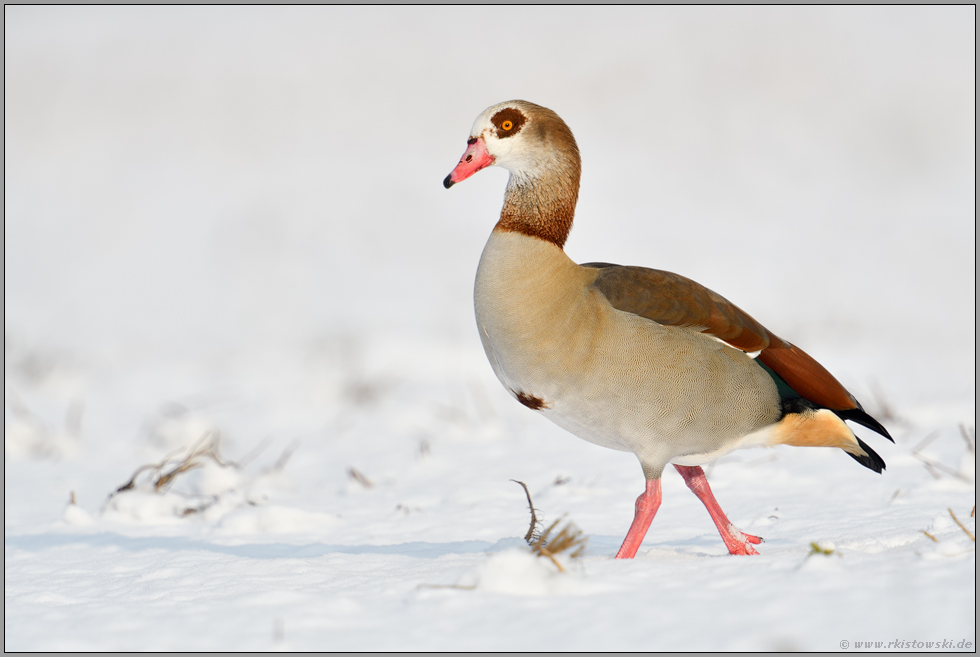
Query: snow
(225, 228)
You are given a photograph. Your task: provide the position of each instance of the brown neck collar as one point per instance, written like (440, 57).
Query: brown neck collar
(542, 207)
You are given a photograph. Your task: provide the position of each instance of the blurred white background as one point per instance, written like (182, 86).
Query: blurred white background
(199, 183)
(230, 222)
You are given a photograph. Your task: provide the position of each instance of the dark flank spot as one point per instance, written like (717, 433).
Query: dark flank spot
(532, 402)
(448, 182)
(508, 122)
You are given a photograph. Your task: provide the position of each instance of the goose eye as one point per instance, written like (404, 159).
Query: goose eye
(508, 122)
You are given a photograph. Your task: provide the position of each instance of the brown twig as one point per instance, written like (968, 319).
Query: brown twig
(359, 477)
(284, 457)
(971, 444)
(206, 447)
(534, 518)
(934, 467)
(568, 537)
(925, 441)
(962, 526)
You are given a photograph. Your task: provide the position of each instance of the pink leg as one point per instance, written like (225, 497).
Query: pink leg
(736, 541)
(646, 507)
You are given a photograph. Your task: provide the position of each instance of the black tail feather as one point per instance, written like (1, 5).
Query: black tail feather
(872, 461)
(858, 415)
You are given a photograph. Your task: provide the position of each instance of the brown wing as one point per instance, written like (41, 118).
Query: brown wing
(675, 300)
(809, 378)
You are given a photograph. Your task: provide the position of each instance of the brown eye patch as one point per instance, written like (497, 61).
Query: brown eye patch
(508, 121)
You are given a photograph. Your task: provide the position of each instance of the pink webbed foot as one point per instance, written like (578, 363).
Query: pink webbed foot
(736, 541)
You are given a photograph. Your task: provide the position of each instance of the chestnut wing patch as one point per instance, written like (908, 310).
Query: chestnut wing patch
(675, 300)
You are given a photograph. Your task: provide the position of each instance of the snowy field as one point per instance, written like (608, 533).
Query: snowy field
(226, 229)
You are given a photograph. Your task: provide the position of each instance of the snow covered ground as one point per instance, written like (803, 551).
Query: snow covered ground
(226, 228)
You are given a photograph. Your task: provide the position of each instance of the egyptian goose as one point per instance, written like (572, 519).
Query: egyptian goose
(631, 358)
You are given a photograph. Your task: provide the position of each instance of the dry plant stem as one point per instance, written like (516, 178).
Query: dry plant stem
(206, 447)
(928, 466)
(969, 439)
(540, 547)
(359, 477)
(925, 441)
(935, 467)
(933, 538)
(160, 478)
(285, 456)
(957, 521)
(534, 518)
(545, 552)
(251, 456)
(568, 537)
(168, 478)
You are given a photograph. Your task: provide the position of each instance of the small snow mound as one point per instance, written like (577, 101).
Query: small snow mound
(951, 547)
(76, 515)
(941, 522)
(135, 506)
(879, 544)
(214, 479)
(517, 571)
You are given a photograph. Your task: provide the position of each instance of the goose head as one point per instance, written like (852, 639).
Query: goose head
(528, 140)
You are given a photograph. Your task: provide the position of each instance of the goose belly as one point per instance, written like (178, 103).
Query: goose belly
(610, 377)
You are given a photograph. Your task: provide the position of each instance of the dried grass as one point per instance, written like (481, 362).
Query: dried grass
(532, 531)
(961, 525)
(567, 538)
(543, 544)
(936, 468)
(359, 477)
(161, 476)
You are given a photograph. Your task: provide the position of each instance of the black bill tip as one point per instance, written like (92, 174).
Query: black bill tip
(448, 182)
